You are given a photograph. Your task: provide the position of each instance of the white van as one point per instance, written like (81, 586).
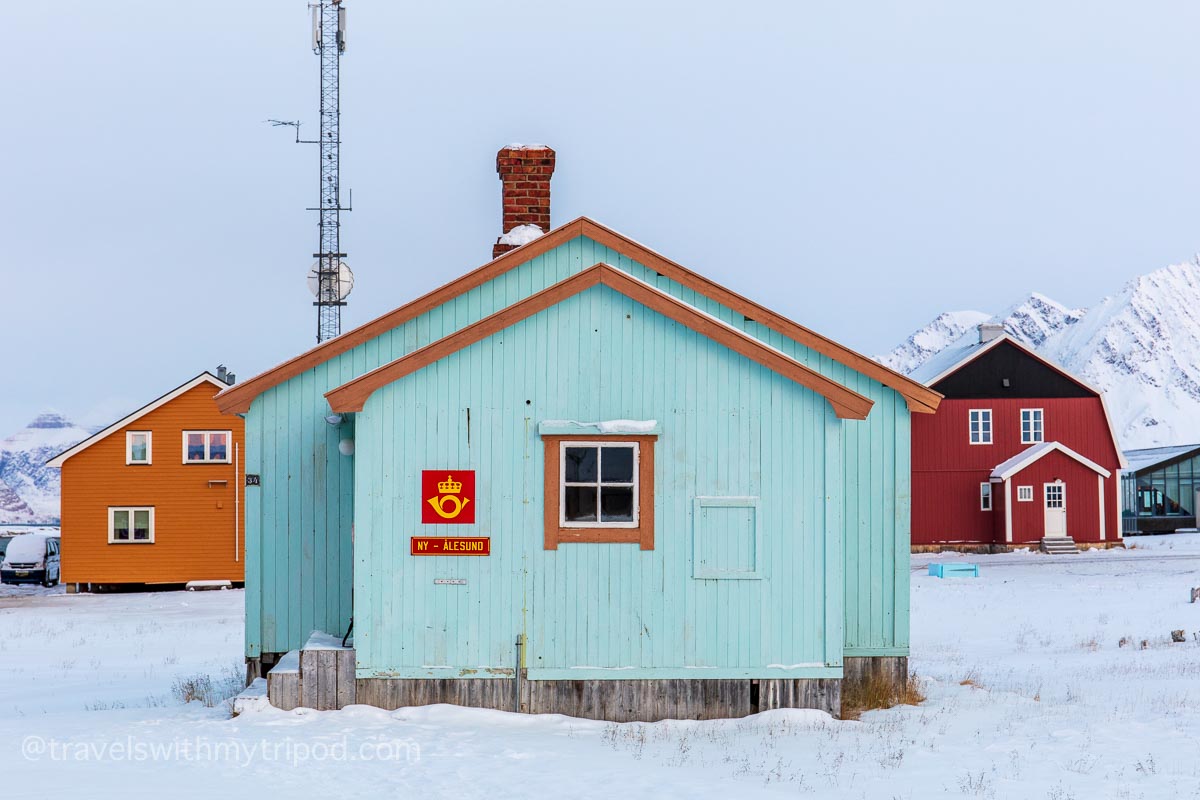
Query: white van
(31, 558)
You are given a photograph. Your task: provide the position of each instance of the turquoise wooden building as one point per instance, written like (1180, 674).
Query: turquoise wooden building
(582, 479)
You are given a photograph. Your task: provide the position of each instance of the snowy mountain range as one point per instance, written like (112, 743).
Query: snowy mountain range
(29, 490)
(1141, 347)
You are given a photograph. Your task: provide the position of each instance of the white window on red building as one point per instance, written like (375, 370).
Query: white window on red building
(981, 426)
(1032, 428)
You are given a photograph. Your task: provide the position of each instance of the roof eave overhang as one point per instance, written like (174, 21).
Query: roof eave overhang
(918, 397)
(203, 377)
(1020, 464)
(846, 403)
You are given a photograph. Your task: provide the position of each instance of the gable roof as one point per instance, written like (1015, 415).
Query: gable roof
(846, 404)
(1020, 461)
(237, 399)
(968, 348)
(203, 377)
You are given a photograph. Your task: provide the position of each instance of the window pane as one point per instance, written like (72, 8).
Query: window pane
(580, 464)
(141, 525)
(1172, 492)
(137, 447)
(580, 504)
(616, 465)
(616, 503)
(195, 447)
(121, 525)
(217, 447)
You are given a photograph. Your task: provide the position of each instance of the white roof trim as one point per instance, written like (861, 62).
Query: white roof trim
(1004, 337)
(1020, 461)
(1112, 431)
(203, 377)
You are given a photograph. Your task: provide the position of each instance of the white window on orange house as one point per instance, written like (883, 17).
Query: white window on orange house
(137, 447)
(131, 525)
(206, 447)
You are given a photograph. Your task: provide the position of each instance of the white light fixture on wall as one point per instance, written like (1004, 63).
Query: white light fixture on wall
(346, 447)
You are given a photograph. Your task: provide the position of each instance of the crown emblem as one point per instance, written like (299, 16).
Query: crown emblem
(449, 486)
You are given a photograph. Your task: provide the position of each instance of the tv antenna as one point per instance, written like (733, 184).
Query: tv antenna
(330, 279)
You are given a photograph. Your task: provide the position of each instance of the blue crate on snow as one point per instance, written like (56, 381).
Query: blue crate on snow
(954, 570)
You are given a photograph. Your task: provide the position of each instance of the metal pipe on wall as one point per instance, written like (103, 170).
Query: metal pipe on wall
(517, 674)
(237, 506)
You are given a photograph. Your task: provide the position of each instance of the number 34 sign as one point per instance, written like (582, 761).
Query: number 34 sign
(448, 496)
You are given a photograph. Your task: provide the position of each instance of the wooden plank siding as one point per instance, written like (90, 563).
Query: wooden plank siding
(947, 468)
(877, 499)
(194, 522)
(299, 592)
(730, 428)
(613, 700)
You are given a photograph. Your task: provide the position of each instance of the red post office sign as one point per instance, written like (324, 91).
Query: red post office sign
(451, 546)
(448, 496)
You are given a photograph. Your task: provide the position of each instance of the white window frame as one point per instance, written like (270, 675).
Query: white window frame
(971, 418)
(985, 496)
(112, 518)
(1025, 494)
(562, 483)
(1062, 487)
(206, 459)
(1037, 434)
(129, 459)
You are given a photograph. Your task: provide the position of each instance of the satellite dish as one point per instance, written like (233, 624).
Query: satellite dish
(345, 280)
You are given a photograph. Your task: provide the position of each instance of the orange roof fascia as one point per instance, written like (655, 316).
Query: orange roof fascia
(919, 398)
(846, 403)
(237, 399)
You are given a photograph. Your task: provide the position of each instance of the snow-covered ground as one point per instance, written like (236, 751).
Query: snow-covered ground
(1030, 695)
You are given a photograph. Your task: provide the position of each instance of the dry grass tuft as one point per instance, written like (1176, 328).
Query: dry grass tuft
(211, 690)
(879, 691)
(972, 680)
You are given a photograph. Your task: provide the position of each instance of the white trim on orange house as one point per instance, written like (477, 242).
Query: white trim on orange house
(203, 377)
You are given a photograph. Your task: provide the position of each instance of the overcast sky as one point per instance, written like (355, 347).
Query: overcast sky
(860, 167)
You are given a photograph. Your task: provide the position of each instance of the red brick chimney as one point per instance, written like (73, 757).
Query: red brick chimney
(525, 171)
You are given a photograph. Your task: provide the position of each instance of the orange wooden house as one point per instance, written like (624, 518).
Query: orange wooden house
(156, 497)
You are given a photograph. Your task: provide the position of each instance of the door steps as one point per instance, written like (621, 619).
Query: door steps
(320, 675)
(1058, 545)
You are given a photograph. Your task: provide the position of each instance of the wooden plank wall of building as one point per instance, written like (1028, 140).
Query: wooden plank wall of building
(299, 524)
(613, 700)
(730, 428)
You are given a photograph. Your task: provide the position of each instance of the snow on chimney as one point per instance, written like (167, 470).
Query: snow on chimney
(525, 171)
(990, 331)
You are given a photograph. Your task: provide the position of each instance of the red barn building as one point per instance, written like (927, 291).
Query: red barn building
(1020, 452)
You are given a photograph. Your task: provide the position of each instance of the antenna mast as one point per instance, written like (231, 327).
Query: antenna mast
(329, 42)
(330, 279)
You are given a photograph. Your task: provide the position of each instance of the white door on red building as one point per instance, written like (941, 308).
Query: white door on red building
(1056, 509)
